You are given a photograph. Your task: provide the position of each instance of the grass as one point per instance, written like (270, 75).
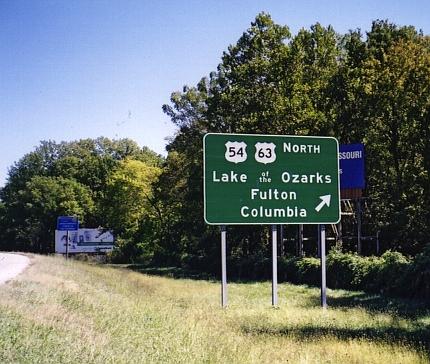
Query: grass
(74, 312)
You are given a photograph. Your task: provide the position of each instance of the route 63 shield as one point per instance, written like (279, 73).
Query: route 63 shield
(265, 152)
(235, 152)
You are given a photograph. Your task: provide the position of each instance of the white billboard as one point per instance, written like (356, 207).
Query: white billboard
(84, 241)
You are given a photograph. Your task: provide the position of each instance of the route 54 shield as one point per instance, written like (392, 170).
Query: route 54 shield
(235, 152)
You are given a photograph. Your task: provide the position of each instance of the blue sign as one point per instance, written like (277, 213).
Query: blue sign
(351, 164)
(65, 223)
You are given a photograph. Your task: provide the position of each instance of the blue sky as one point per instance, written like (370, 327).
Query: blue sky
(83, 69)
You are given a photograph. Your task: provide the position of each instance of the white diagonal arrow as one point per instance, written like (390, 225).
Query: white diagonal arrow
(325, 200)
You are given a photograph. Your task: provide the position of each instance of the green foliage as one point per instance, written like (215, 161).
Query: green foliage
(417, 280)
(391, 274)
(127, 251)
(308, 270)
(344, 270)
(371, 89)
(80, 178)
(39, 204)
(129, 196)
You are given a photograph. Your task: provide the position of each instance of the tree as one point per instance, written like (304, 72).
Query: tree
(397, 101)
(131, 210)
(78, 172)
(129, 196)
(264, 84)
(372, 90)
(32, 218)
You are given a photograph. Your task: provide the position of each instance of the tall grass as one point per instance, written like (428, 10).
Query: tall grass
(74, 312)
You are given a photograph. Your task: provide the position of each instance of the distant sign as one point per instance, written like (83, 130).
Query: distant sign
(67, 223)
(270, 179)
(84, 241)
(351, 161)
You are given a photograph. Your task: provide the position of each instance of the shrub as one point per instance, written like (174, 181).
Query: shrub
(376, 274)
(252, 267)
(125, 251)
(417, 278)
(287, 269)
(309, 271)
(342, 269)
(391, 272)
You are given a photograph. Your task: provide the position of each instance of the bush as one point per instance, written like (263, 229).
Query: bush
(383, 274)
(417, 278)
(390, 274)
(287, 269)
(125, 251)
(253, 267)
(309, 271)
(198, 263)
(342, 268)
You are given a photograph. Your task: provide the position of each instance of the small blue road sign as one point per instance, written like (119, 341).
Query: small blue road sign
(351, 164)
(69, 223)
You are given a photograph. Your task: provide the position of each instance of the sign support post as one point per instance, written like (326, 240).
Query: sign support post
(319, 241)
(223, 266)
(274, 266)
(67, 244)
(359, 226)
(300, 241)
(323, 266)
(281, 240)
(67, 223)
(252, 179)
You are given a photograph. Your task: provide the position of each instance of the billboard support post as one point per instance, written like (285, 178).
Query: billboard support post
(67, 244)
(281, 240)
(67, 223)
(359, 249)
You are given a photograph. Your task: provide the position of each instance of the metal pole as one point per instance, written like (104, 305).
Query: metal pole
(377, 243)
(359, 226)
(67, 244)
(281, 238)
(300, 241)
(274, 267)
(323, 268)
(339, 241)
(223, 266)
(319, 241)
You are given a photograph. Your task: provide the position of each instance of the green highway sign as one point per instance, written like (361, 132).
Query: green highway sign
(270, 179)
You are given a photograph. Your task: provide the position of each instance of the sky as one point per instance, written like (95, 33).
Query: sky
(83, 69)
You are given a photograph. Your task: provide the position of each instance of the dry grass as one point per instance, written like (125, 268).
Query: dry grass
(72, 312)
